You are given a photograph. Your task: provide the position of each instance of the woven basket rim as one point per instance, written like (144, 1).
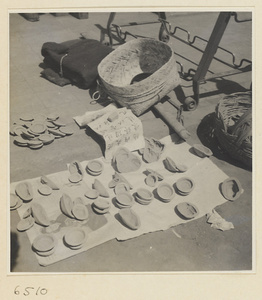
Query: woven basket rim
(144, 81)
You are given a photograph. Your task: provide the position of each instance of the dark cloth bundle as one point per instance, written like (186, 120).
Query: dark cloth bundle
(73, 61)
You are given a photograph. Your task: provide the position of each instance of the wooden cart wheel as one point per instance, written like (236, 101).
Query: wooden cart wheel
(163, 35)
(190, 104)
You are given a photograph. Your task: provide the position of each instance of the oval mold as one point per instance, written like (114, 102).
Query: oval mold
(165, 191)
(130, 218)
(80, 212)
(125, 199)
(144, 194)
(185, 185)
(44, 242)
(101, 204)
(231, 188)
(187, 210)
(151, 180)
(75, 237)
(95, 166)
(25, 224)
(202, 151)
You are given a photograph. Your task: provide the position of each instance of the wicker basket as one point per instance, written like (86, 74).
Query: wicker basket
(233, 126)
(151, 60)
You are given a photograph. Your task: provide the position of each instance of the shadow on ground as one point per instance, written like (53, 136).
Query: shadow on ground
(206, 134)
(14, 250)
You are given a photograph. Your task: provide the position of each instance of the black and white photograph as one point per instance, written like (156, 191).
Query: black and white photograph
(130, 142)
(130, 169)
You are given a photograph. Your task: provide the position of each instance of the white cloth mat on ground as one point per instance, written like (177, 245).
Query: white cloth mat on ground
(154, 217)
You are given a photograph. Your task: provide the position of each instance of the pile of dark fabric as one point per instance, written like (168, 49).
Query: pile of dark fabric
(73, 62)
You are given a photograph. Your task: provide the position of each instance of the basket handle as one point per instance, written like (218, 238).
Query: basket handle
(99, 94)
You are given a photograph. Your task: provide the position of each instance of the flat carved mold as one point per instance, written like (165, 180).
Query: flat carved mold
(25, 224)
(100, 188)
(40, 215)
(66, 205)
(125, 161)
(202, 151)
(24, 191)
(130, 218)
(80, 211)
(174, 167)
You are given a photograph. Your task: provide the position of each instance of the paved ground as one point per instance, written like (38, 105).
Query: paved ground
(194, 246)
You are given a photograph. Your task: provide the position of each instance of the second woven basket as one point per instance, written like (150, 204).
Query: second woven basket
(139, 73)
(233, 126)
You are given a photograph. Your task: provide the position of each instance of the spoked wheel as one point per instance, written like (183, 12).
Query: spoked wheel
(190, 104)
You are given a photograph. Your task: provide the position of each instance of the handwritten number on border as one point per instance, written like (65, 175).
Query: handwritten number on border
(30, 290)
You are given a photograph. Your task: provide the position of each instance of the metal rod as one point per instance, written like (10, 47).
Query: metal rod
(210, 51)
(109, 22)
(191, 42)
(239, 21)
